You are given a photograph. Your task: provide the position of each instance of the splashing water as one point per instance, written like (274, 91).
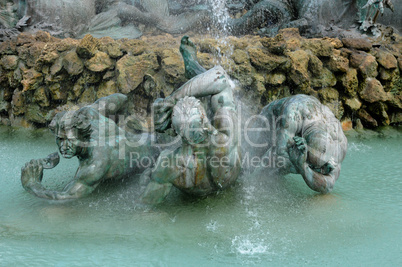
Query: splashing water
(260, 221)
(249, 246)
(220, 17)
(360, 147)
(220, 30)
(212, 226)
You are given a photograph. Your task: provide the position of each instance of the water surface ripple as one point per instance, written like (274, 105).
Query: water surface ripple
(261, 221)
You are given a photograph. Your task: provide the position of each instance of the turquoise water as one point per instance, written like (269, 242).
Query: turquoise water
(261, 221)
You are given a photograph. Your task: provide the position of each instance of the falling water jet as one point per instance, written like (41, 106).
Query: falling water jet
(221, 30)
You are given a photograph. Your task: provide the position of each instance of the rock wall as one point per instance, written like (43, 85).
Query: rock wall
(356, 78)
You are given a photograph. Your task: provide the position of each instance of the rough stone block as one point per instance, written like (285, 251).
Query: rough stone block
(87, 46)
(72, 63)
(357, 43)
(99, 62)
(373, 91)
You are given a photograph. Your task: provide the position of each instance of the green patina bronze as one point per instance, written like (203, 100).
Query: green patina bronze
(307, 138)
(101, 146)
(114, 18)
(209, 158)
(189, 54)
(267, 15)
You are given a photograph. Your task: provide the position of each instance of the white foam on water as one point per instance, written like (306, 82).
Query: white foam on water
(255, 225)
(360, 147)
(249, 190)
(252, 213)
(249, 246)
(212, 226)
(173, 219)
